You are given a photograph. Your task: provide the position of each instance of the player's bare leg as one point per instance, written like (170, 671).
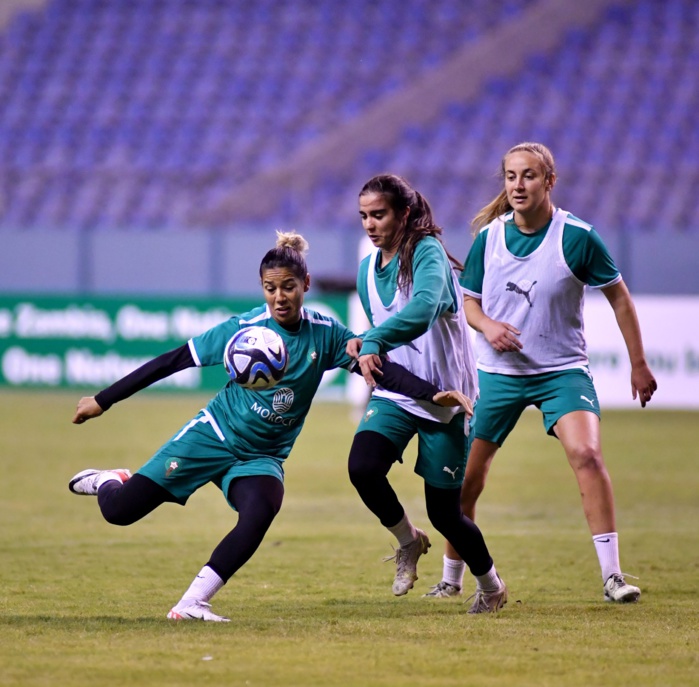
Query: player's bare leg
(579, 434)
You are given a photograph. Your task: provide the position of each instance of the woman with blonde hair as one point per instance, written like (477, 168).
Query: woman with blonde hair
(524, 282)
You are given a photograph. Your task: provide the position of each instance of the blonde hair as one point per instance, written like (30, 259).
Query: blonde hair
(293, 241)
(289, 252)
(500, 205)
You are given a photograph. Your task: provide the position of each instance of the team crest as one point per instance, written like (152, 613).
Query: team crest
(370, 413)
(283, 400)
(312, 357)
(173, 465)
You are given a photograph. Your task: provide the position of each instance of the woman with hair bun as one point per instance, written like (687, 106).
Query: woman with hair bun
(242, 438)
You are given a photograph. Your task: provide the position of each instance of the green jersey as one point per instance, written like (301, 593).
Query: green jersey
(266, 423)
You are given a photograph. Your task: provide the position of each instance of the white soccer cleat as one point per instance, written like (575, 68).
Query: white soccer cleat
(88, 482)
(489, 602)
(192, 609)
(406, 558)
(443, 590)
(616, 589)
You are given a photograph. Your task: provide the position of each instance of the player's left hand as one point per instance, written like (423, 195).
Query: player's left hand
(643, 384)
(370, 365)
(450, 399)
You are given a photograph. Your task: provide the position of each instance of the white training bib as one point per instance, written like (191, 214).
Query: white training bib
(539, 295)
(443, 355)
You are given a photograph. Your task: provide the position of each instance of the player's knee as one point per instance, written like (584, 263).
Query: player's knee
(257, 498)
(443, 522)
(360, 470)
(115, 509)
(586, 458)
(471, 489)
(370, 458)
(268, 509)
(443, 510)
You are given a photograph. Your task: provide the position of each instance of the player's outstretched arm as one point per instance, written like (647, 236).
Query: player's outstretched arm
(395, 377)
(86, 410)
(149, 373)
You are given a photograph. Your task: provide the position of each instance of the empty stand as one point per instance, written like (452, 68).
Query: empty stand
(130, 114)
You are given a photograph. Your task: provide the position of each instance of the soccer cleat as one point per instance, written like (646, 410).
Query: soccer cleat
(191, 609)
(443, 590)
(488, 602)
(87, 482)
(616, 589)
(406, 558)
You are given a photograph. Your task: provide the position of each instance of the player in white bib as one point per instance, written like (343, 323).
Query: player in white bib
(410, 294)
(524, 283)
(241, 440)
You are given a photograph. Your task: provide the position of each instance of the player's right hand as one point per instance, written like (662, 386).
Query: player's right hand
(502, 336)
(86, 410)
(353, 347)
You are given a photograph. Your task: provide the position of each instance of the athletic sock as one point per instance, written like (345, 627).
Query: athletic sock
(203, 587)
(490, 582)
(108, 476)
(607, 547)
(404, 531)
(453, 572)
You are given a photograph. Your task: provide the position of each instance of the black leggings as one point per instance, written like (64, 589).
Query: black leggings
(371, 458)
(257, 500)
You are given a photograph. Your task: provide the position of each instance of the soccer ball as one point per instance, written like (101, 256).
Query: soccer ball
(256, 358)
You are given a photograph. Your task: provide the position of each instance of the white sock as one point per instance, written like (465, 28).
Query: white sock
(404, 531)
(453, 572)
(203, 587)
(607, 547)
(108, 476)
(490, 582)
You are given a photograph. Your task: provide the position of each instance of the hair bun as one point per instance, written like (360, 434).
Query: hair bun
(292, 240)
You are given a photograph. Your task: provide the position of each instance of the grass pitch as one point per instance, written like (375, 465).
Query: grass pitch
(84, 603)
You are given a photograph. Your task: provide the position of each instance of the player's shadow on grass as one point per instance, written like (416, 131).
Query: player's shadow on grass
(82, 623)
(254, 616)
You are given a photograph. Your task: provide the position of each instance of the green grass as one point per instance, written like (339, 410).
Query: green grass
(83, 602)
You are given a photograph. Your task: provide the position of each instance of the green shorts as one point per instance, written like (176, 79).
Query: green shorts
(555, 394)
(442, 448)
(196, 455)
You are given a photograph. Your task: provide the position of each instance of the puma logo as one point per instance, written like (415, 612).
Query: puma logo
(511, 286)
(451, 472)
(589, 400)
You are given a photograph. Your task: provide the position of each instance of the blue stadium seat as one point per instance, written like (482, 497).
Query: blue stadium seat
(110, 109)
